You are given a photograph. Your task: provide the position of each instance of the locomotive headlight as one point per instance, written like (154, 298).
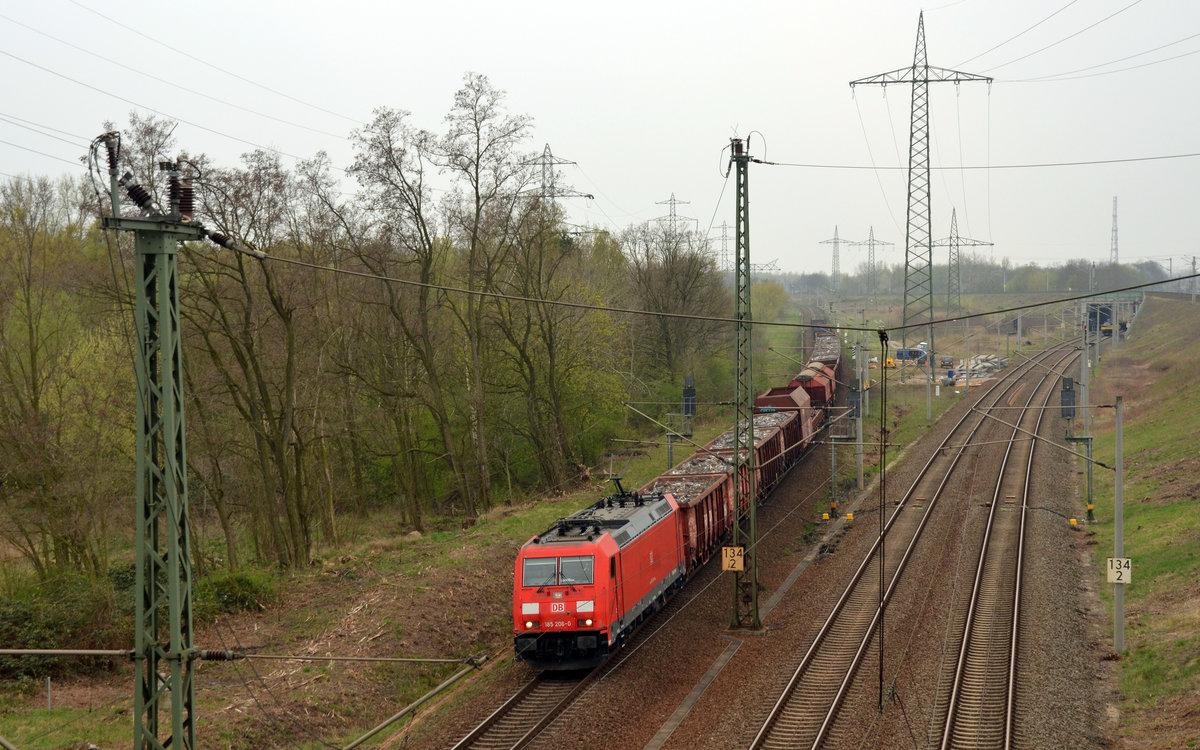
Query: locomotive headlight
(587, 622)
(529, 624)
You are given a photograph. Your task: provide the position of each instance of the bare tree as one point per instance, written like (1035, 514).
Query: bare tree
(251, 318)
(673, 272)
(485, 213)
(393, 163)
(556, 355)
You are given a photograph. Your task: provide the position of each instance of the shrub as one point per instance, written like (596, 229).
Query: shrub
(69, 611)
(230, 592)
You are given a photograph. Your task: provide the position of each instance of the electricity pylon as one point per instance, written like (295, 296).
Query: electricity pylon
(724, 246)
(745, 505)
(672, 218)
(837, 270)
(870, 244)
(918, 248)
(1112, 258)
(954, 241)
(549, 186)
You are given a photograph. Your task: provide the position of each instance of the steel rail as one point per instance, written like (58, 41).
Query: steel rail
(831, 714)
(985, 552)
(479, 736)
(1008, 383)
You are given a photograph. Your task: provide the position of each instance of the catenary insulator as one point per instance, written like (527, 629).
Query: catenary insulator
(212, 655)
(173, 192)
(111, 144)
(187, 200)
(140, 196)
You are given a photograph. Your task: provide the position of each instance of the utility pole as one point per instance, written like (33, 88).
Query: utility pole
(1112, 257)
(870, 244)
(918, 250)
(859, 368)
(163, 645)
(954, 241)
(163, 636)
(1119, 530)
(745, 527)
(833, 277)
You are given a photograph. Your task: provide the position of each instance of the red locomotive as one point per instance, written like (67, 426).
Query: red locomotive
(581, 587)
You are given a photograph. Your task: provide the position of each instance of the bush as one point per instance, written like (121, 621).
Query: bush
(70, 611)
(231, 592)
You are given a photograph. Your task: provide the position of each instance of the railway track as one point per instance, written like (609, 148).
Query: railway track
(982, 701)
(804, 714)
(522, 717)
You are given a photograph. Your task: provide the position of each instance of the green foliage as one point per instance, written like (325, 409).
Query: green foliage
(68, 611)
(768, 300)
(248, 589)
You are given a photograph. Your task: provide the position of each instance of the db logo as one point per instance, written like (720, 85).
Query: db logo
(558, 607)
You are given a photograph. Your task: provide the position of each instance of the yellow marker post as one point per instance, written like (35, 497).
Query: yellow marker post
(849, 516)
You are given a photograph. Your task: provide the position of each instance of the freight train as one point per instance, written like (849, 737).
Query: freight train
(583, 586)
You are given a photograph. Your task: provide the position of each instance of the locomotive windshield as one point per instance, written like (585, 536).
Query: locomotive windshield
(575, 570)
(552, 571)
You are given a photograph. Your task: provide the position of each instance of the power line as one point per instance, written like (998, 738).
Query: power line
(1067, 77)
(216, 67)
(1038, 165)
(871, 156)
(685, 316)
(1018, 35)
(172, 84)
(83, 138)
(43, 133)
(149, 109)
(1114, 62)
(40, 153)
(1060, 41)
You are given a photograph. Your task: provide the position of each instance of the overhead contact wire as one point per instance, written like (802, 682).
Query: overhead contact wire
(686, 316)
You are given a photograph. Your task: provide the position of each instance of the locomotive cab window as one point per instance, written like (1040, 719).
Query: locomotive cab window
(576, 571)
(557, 571)
(539, 571)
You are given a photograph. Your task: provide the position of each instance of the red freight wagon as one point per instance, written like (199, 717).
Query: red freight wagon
(819, 382)
(581, 587)
(827, 347)
(768, 444)
(705, 505)
(798, 433)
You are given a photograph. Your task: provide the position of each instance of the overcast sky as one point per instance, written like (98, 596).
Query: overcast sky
(644, 98)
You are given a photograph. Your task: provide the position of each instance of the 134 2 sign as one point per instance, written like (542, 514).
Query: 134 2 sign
(1120, 570)
(733, 558)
